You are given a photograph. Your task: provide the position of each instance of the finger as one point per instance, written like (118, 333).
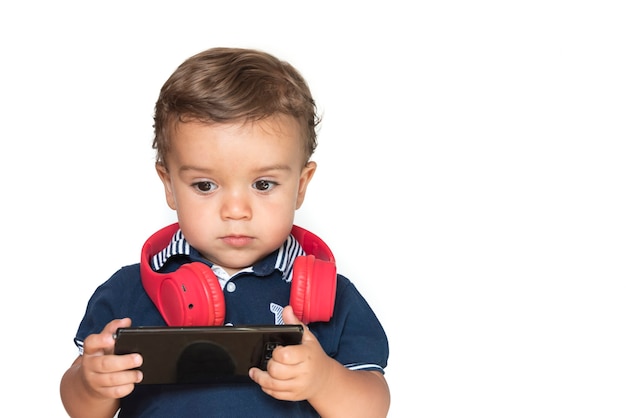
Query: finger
(265, 379)
(276, 388)
(289, 317)
(256, 374)
(98, 343)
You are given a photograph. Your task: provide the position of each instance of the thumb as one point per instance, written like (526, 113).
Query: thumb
(103, 343)
(289, 317)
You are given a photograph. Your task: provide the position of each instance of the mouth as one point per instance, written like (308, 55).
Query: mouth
(237, 240)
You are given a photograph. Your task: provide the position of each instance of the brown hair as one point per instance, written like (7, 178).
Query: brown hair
(232, 84)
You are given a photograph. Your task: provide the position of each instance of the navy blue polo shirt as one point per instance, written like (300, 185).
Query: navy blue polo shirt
(354, 336)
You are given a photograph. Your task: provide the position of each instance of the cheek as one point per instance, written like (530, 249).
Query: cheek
(293, 198)
(180, 195)
(277, 208)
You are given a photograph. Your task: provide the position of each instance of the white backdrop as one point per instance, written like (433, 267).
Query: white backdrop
(471, 183)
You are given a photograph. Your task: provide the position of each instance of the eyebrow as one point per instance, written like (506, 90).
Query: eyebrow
(262, 169)
(275, 167)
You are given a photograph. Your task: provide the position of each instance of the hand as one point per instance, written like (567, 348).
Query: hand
(105, 374)
(295, 372)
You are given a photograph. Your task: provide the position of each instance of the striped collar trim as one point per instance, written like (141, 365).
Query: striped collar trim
(285, 256)
(178, 246)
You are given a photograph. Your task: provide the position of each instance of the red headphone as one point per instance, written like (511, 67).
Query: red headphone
(192, 295)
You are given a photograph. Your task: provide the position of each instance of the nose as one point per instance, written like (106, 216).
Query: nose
(235, 205)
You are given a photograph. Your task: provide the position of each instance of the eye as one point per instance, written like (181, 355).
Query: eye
(263, 185)
(205, 186)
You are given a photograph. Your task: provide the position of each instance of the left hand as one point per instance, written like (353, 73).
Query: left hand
(295, 372)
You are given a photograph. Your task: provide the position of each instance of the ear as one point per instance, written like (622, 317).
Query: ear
(305, 177)
(165, 177)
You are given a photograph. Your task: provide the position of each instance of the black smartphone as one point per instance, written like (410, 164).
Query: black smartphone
(187, 355)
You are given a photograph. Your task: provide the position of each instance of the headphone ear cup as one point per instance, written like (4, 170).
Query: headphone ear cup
(192, 296)
(313, 288)
(299, 287)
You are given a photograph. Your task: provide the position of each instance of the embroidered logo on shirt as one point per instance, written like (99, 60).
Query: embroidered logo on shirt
(277, 310)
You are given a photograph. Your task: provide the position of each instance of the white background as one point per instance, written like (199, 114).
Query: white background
(471, 183)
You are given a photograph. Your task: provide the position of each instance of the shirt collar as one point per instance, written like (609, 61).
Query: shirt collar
(282, 259)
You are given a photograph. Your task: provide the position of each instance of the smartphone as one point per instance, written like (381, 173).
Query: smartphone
(185, 355)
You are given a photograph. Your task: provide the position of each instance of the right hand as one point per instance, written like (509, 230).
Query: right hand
(105, 374)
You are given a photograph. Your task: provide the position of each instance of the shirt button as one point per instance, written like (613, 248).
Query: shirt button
(231, 287)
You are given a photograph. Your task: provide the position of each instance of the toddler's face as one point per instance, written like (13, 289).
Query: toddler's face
(236, 187)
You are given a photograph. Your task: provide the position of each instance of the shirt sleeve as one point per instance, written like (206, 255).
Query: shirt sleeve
(354, 336)
(121, 296)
